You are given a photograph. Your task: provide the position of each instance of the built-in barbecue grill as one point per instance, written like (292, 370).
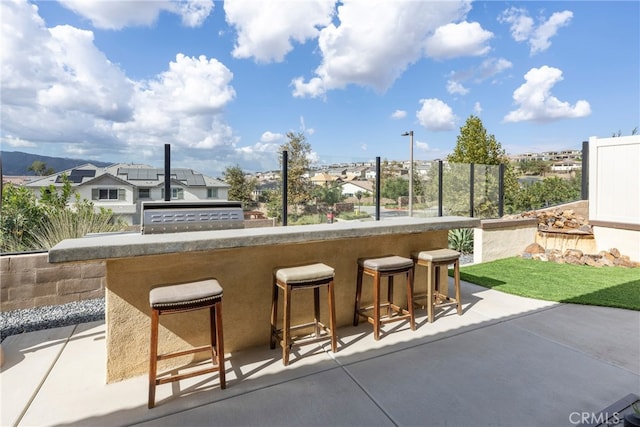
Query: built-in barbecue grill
(173, 217)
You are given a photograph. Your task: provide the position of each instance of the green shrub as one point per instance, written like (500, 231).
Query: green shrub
(461, 240)
(73, 223)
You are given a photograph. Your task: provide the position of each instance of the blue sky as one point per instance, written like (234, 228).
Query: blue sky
(223, 82)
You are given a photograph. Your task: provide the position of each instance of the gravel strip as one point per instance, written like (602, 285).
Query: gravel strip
(466, 259)
(34, 319)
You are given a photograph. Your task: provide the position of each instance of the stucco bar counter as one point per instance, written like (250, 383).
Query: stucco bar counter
(243, 261)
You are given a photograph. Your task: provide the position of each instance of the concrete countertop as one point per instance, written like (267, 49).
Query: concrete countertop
(126, 245)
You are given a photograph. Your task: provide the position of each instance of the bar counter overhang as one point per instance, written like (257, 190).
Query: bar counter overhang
(243, 261)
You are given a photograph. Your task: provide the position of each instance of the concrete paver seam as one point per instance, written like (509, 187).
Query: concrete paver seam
(44, 378)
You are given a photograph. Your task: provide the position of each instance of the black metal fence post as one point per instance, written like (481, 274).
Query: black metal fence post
(167, 172)
(285, 190)
(377, 188)
(440, 173)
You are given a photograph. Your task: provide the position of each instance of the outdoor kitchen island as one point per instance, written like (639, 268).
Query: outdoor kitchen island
(242, 260)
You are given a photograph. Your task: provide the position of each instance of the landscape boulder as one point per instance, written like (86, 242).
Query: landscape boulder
(610, 258)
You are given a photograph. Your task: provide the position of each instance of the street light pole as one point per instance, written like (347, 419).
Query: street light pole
(410, 135)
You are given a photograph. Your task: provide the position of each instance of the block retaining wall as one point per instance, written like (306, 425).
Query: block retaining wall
(29, 280)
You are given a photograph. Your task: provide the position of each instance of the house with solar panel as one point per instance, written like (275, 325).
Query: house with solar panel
(123, 187)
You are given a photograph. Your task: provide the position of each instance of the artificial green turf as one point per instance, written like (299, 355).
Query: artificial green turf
(578, 284)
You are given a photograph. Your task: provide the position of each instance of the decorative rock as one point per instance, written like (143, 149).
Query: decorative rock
(573, 252)
(572, 259)
(534, 248)
(577, 257)
(591, 260)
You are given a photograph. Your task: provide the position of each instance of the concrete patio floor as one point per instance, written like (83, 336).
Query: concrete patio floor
(507, 361)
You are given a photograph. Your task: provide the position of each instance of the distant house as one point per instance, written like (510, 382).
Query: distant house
(349, 189)
(123, 187)
(324, 179)
(566, 166)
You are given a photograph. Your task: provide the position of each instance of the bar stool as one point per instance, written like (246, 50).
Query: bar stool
(183, 298)
(377, 268)
(433, 260)
(311, 276)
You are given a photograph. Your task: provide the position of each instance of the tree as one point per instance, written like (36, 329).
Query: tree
(475, 145)
(56, 200)
(534, 167)
(548, 192)
(40, 168)
(299, 151)
(328, 195)
(20, 217)
(242, 187)
(393, 188)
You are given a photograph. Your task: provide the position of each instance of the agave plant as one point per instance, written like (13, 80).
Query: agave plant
(461, 240)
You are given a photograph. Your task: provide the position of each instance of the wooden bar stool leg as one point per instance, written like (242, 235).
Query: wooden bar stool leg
(356, 312)
(316, 310)
(286, 332)
(213, 334)
(376, 306)
(274, 315)
(332, 317)
(431, 273)
(412, 318)
(390, 295)
(153, 358)
(220, 346)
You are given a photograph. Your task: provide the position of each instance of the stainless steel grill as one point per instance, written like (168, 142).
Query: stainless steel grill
(173, 217)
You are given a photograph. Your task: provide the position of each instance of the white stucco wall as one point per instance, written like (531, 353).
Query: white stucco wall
(497, 239)
(626, 241)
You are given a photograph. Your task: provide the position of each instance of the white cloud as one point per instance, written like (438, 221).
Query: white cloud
(83, 78)
(191, 86)
(61, 89)
(194, 12)
(477, 109)
(523, 27)
(374, 42)
(456, 88)
(522, 24)
(422, 146)
(540, 39)
(456, 40)
(272, 137)
(399, 114)
(489, 68)
(115, 15)
(183, 105)
(267, 30)
(12, 141)
(56, 86)
(536, 102)
(435, 115)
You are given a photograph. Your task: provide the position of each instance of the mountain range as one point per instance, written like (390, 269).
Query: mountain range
(16, 163)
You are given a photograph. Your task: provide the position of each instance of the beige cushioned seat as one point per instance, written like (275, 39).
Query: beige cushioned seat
(304, 274)
(437, 255)
(186, 294)
(387, 263)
